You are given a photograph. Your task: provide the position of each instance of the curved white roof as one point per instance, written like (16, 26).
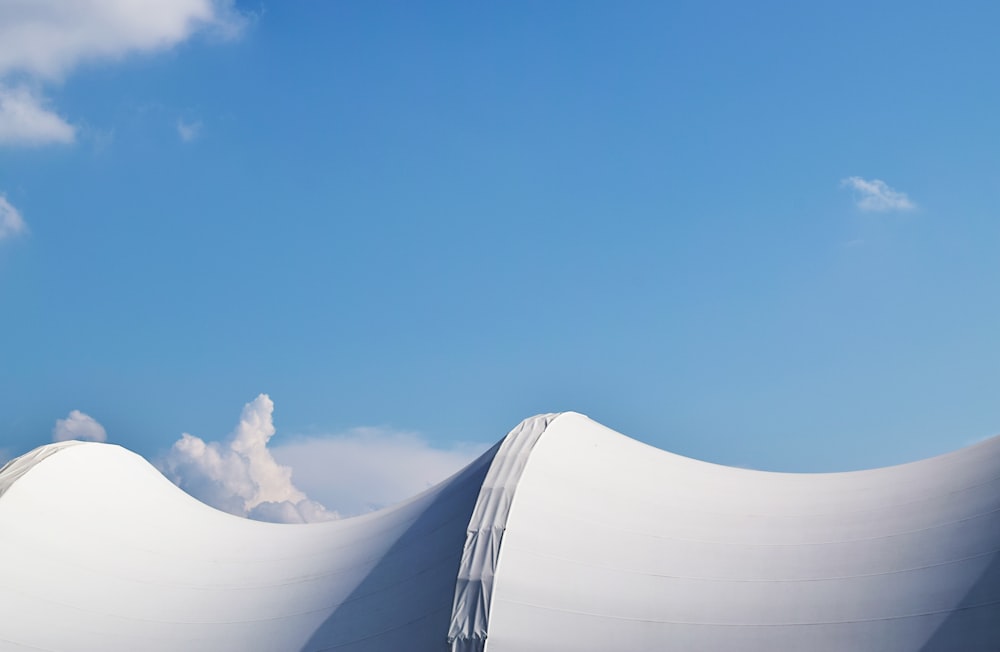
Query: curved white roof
(564, 536)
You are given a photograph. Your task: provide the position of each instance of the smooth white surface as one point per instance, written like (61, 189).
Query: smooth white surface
(99, 552)
(611, 544)
(564, 536)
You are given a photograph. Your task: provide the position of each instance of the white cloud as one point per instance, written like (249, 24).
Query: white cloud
(24, 120)
(369, 468)
(240, 475)
(47, 39)
(877, 196)
(78, 426)
(11, 222)
(188, 131)
(355, 471)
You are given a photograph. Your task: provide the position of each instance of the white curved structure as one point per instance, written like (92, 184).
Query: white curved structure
(564, 536)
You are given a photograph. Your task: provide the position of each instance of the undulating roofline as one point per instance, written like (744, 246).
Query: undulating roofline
(564, 536)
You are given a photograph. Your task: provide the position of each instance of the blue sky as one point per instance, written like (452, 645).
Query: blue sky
(441, 218)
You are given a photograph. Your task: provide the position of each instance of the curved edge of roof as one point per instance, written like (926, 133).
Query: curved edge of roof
(474, 579)
(15, 469)
(966, 449)
(474, 583)
(481, 555)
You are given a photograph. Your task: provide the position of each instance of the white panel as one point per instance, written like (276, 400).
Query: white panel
(99, 552)
(565, 536)
(611, 544)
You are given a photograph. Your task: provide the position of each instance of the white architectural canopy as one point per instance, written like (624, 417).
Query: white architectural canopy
(565, 536)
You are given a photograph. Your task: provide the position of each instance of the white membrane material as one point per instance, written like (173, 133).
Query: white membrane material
(474, 589)
(17, 467)
(101, 553)
(565, 536)
(614, 545)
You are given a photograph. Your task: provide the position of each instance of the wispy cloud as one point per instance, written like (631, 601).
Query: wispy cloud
(11, 222)
(79, 426)
(239, 475)
(42, 41)
(368, 468)
(188, 131)
(876, 196)
(26, 121)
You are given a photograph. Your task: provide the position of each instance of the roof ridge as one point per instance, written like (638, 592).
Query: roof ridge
(474, 585)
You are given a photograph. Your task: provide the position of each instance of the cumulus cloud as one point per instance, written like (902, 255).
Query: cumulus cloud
(44, 40)
(354, 471)
(48, 38)
(188, 131)
(877, 196)
(368, 468)
(78, 426)
(11, 222)
(239, 475)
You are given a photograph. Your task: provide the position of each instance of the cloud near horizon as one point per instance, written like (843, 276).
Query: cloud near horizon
(364, 469)
(239, 475)
(79, 426)
(876, 196)
(44, 40)
(308, 479)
